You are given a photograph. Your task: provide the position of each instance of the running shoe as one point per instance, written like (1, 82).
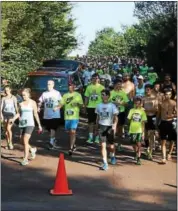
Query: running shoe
(24, 162)
(104, 166)
(9, 147)
(70, 152)
(90, 141)
(97, 140)
(33, 153)
(163, 161)
(113, 160)
(138, 161)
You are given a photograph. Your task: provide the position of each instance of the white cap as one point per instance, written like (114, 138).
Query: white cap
(140, 77)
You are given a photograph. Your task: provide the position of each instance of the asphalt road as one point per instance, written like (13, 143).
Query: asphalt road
(124, 186)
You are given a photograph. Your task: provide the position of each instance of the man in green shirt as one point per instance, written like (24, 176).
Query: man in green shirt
(137, 118)
(72, 102)
(92, 99)
(152, 76)
(144, 70)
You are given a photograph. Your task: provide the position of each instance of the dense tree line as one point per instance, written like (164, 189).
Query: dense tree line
(32, 32)
(153, 38)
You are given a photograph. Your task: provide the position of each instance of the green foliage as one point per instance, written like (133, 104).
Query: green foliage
(32, 32)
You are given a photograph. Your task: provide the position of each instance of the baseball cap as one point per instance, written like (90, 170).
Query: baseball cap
(140, 77)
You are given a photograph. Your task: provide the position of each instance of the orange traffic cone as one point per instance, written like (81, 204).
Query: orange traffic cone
(61, 183)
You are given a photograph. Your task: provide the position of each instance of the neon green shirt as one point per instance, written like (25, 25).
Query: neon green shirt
(136, 117)
(71, 111)
(119, 96)
(152, 77)
(143, 70)
(100, 72)
(93, 92)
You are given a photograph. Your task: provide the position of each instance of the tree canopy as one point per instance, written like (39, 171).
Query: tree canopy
(32, 32)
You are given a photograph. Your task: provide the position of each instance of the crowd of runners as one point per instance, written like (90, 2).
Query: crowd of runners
(122, 99)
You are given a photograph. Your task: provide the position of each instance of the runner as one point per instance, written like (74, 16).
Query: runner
(150, 104)
(168, 84)
(156, 92)
(120, 99)
(8, 111)
(26, 114)
(166, 113)
(137, 117)
(106, 123)
(140, 88)
(92, 99)
(51, 118)
(72, 101)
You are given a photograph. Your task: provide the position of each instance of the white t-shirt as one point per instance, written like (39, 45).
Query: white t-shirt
(51, 99)
(106, 113)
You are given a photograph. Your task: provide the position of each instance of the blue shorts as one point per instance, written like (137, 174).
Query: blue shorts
(71, 124)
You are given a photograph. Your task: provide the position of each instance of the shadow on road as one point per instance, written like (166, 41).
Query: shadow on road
(27, 188)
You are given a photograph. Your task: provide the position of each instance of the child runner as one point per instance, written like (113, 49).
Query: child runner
(137, 118)
(106, 123)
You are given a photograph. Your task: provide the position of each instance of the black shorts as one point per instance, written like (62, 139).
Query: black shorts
(167, 131)
(26, 130)
(150, 124)
(121, 118)
(91, 115)
(51, 124)
(106, 134)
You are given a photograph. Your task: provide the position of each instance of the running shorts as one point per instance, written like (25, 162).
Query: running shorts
(135, 138)
(91, 115)
(167, 131)
(26, 130)
(106, 134)
(51, 124)
(150, 124)
(71, 124)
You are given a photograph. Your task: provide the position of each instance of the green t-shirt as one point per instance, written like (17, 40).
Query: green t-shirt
(143, 70)
(71, 111)
(119, 96)
(152, 77)
(93, 92)
(136, 117)
(100, 72)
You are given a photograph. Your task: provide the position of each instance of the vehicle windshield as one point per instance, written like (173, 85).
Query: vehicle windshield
(39, 83)
(70, 65)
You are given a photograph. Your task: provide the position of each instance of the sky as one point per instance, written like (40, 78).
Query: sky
(94, 16)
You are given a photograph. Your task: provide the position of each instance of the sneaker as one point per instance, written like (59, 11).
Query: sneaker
(70, 152)
(74, 148)
(104, 166)
(113, 160)
(9, 147)
(163, 161)
(90, 141)
(138, 162)
(24, 162)
(150, 156)
(97, 140)
(33, 153)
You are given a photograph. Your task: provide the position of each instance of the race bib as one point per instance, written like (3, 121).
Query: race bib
(136, 117)
(23, 122)
(49, 105)
(70, 112)
(104, 115)
(94, 97)
(8, 109)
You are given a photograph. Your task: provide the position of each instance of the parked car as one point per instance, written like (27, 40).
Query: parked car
(37, 80)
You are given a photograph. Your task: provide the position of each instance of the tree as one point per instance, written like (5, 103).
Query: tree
(107, 43)
(32, 32)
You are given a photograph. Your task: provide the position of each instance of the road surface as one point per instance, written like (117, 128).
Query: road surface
(125, 186)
